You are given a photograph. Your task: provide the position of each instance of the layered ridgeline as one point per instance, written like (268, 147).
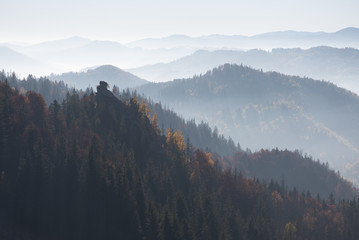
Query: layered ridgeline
(11, 60)
(199, 135)
(298, 171)
(293, 170)
(268, 110)
(347, 37)
(76, 53)
(308, 175)
(95, 168)
(338, 65)
(50, 90)
(90, 77)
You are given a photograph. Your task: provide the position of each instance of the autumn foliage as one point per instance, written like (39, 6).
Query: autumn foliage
(95, 167)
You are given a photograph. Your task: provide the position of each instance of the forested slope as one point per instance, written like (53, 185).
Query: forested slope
(268, 110)
(95, 168)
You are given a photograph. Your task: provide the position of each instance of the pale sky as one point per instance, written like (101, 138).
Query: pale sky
(123, 21)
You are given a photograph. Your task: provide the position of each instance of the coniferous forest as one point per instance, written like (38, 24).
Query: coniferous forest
(96, 167)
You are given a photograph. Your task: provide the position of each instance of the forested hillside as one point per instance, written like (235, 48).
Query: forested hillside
(292, 170)
(228, 154)
(199, 135)
(50, 90)
(95, 168)
(268, 110)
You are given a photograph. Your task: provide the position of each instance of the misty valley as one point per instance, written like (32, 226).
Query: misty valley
(212, 137)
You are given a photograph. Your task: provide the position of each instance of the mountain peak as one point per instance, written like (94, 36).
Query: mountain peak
(107, 67)
(107, 73)
(349, 31)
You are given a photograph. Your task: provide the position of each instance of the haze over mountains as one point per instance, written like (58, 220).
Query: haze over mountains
(78, 164)
(76, 53)
(337, 65)
(91, 77)
(347, 37)
(179, 120)
(11, 60)
(188, 56)
(95, 167)
(268, 110)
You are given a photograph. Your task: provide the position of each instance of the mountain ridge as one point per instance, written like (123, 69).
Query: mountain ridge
(284, 111)
(74, 53)
(200, 136)
(109, 73)
(351, 34)
(338, 65)
(12, 60)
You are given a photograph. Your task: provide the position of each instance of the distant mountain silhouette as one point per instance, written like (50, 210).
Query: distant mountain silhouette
(350, 32)
(340, 66)
(58, 45)
(76, 53)
(348, 37)
(91, 77)
(268, 110)
(9, 56)
(11, 60)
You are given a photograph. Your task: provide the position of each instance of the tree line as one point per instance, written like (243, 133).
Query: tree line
(95, 167)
